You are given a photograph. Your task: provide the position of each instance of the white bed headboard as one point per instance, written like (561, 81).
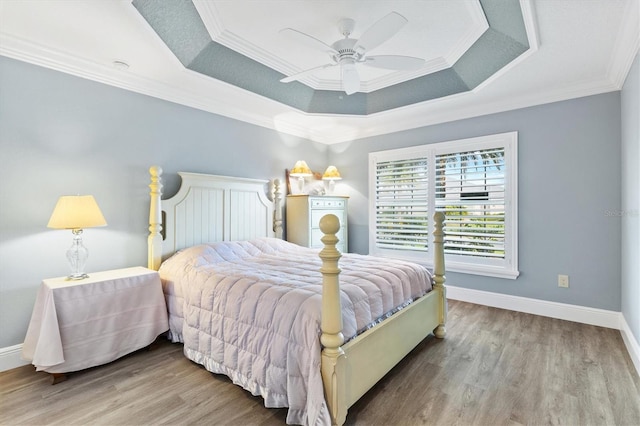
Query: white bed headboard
(210, 208)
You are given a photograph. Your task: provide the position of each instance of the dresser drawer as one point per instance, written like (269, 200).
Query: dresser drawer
(327, 204)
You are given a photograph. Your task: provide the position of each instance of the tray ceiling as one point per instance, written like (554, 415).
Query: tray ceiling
(484, 37)
(227, 57)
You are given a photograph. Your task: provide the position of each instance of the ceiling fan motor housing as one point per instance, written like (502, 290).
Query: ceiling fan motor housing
(346, 26)
(346, 52)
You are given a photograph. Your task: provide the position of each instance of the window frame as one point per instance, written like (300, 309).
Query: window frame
(501, 268)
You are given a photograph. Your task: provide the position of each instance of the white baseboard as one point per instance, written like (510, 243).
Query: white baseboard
(631, 343)
(581, 314)
(564, 311)
(10, 357)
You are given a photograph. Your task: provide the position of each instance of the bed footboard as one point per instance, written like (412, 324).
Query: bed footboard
(351, 370)
(438, 273)
(333, 358)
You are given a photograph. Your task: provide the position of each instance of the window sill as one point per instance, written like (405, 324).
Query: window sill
(488, 271)
(463, 268)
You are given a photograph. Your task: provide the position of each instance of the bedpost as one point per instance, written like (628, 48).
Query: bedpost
(333, 358)
(154, 242)
(277, 203)
(438, 272)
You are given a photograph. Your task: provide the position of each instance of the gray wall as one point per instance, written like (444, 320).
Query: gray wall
(62, 135)
(569, 190)
(630, 213)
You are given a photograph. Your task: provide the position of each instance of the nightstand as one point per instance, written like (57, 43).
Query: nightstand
(85, 323)
(303, 219)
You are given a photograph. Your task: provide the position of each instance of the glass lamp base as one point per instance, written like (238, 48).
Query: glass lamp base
(74, 277)
(77, 256)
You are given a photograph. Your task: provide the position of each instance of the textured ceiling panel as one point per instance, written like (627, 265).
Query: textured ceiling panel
(491, 52)
(433, 86)
(506, 17)
(181, 28)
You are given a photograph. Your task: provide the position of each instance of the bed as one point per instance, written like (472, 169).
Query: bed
(222, 235)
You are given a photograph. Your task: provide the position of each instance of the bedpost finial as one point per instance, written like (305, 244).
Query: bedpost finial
(439, 216)
(329, 224)
(155, 170)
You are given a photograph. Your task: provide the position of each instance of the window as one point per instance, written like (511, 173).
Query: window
(474, 181)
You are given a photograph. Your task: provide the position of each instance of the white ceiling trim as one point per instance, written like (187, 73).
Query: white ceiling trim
(621, 61)
(204, 93)
(473, 34)
(528, 16)
(210, 17)
(435, 115)
(214, 100)
(397, 77)
(324, 129)
(530, 23)
(219, 34)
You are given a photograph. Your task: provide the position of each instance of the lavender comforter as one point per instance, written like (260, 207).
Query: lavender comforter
(251, 310)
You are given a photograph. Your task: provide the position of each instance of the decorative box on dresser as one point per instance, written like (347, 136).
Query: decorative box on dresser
(303, 219)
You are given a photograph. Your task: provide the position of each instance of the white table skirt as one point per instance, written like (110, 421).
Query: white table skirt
(81, 324)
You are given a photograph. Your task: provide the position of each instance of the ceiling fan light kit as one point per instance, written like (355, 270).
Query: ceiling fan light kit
(349, 52)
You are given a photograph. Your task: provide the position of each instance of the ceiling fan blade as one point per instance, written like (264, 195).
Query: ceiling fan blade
(394, 62)
(350, 79)
(308, 40)
(380, 32)
(299, 75)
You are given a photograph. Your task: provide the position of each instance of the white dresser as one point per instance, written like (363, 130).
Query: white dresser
(303, 219)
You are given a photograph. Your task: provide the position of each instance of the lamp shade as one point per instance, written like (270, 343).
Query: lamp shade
(331, 173)
(300, 169)
(76, 212)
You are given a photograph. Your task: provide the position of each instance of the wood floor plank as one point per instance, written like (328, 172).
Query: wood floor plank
(495, 367)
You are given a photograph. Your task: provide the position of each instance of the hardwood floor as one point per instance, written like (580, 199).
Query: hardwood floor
(495, 367)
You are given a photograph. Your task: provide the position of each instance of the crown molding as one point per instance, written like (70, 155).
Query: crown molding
(215, 100)
(472, 35)
(430, 67)
(626, 47)
(327, 130)
(416, 116)
(201, 92)
(530, 23)
(209, 15)
(210, 18)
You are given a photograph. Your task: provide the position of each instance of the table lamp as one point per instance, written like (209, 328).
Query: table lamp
(330, 176)
(301, 170)
(76, 212)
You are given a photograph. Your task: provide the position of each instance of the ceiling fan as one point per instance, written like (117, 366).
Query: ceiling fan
(348, 52)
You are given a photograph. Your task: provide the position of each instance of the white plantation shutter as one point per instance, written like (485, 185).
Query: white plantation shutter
(401, 207)
(473, 181)
(470, 190)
